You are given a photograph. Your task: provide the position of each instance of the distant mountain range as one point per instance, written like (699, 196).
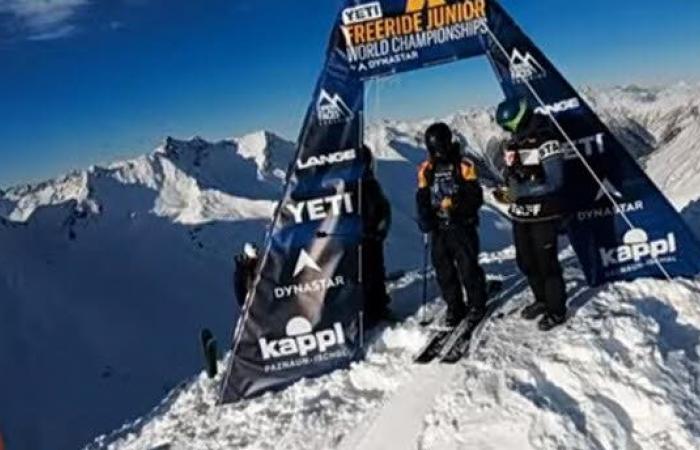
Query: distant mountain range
(108, 273)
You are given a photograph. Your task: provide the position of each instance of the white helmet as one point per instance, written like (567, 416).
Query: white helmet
(250, 250)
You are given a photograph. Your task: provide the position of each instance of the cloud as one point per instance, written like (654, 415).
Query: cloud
(56, 33)
(43, 19)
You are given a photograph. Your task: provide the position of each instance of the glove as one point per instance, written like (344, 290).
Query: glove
(423, 174)
(446, 203)
(509, 157)
(503, 196)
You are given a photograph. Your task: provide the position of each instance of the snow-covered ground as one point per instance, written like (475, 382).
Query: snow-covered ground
(106, 275)
(623, 373)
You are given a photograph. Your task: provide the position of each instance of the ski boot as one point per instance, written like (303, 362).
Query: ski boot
(475, 316)
(550, 321)
(453, 318)
(533, 310)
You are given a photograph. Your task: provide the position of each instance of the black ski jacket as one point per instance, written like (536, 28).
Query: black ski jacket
(536, 180)
(243, 277)
(376, 210)
(449, 195)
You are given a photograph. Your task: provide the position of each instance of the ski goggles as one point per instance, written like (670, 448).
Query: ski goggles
(513, 124)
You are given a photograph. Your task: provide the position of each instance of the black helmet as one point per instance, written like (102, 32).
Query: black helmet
(438, 139)
(513, 114)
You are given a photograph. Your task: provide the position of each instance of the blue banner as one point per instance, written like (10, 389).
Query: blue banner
(386, 37)
(608, 247)
(303, 316)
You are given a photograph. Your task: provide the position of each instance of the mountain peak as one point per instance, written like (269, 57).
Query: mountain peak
(174, 147)
(270, 152)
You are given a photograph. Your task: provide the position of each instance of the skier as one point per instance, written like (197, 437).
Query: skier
(534, 175)
(244, 275)
(376, 217)
(448, 200)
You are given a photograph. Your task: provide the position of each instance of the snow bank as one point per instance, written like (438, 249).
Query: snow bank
(623, 373)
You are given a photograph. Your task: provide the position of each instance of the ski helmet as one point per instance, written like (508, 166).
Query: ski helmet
(438, 139)
(513, 114)
(250, 250)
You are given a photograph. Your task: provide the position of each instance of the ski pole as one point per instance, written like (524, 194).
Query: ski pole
(426, 245)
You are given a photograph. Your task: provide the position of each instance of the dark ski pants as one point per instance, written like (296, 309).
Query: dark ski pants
(374, 277)
(536, 246)
(455, 255)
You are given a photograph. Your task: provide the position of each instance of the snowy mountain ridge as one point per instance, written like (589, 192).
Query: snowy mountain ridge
(644, 118)
(189, 175)
(671, 116)
(135, 257)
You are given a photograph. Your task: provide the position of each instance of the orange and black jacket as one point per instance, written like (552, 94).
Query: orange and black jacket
(449, 195)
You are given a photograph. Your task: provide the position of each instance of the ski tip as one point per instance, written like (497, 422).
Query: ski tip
(211, 347)
(206, 335)
(212, 356)
(423, 359)
(162, 447)
(210, 352)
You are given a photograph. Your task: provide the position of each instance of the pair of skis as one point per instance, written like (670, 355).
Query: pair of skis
(449, 345)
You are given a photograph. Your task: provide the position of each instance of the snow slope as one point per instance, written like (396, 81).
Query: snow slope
(668, 120)
(135, 257)
(622, 374)
(106, 276)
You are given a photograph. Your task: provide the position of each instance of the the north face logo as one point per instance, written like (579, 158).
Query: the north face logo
(524, 67)
(332, 109)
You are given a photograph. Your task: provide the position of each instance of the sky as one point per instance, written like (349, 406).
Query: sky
(86, 82)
